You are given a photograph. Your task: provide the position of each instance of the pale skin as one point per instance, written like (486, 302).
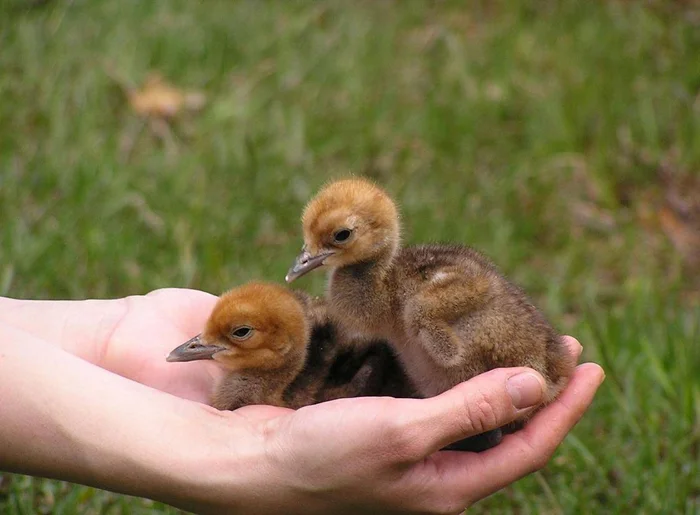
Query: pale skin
(144, 429)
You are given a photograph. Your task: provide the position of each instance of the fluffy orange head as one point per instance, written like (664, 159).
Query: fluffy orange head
(258, 326)
(349, 221)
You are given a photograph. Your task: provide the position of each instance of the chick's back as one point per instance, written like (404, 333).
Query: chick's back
(494, 319)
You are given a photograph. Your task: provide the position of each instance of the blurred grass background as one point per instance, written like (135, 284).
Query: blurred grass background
(561, 138)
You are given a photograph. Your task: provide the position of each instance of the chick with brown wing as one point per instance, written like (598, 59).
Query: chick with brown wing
(446, 309)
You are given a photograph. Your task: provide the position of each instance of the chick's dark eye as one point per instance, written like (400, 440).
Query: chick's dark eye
(342, 235)
(242, 332)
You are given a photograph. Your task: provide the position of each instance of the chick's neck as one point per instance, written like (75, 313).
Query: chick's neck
(361, 293)
(260, 385)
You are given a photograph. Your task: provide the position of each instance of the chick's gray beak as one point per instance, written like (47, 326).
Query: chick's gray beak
(304, 263)
(193, 350)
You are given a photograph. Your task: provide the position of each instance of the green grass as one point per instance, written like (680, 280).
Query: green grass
(534, 134)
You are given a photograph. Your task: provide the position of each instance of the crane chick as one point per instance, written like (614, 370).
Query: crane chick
(280, 348)
(446, 309)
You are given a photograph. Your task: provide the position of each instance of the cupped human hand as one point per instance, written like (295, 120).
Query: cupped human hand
(381, 455)
(373, 455)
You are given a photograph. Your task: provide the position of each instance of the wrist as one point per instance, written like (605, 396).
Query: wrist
(92, 427)
(80, 327)
(220, 462)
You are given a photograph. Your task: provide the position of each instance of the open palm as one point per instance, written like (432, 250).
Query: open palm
(152, 326)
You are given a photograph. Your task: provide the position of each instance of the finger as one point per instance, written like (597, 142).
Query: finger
(187, 309)
(573, 345)
(259, 412)
(487, 401)
(522, 452)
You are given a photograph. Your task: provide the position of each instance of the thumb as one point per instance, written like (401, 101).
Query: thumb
(485, 402)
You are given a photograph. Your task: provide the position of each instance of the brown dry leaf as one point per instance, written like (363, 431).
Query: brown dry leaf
(680, 215)
(592, 216)
(158, 99)
(646, 209)
(684, 235)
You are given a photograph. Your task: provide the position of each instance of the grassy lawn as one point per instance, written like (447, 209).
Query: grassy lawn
(548, 137)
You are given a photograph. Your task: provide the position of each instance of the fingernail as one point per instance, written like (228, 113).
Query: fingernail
(525, 390)
(579, 350)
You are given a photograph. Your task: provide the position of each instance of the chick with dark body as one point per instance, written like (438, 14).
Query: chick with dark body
(446, 309)
(281, 348)
(337, 367)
